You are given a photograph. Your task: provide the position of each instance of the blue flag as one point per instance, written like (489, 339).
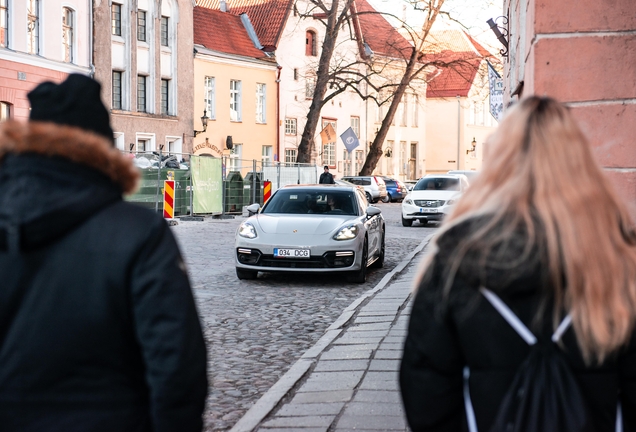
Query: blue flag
(350, 140)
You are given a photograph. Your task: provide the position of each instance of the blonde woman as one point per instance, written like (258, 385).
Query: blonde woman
(542, 229)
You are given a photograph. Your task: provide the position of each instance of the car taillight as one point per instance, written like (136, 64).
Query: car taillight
(375, 180)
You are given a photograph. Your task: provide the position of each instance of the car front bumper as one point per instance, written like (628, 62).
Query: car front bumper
(413, 212)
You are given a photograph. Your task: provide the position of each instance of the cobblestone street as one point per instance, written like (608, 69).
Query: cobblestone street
(256, 330)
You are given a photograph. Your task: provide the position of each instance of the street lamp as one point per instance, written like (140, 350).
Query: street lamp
(473, 146)
(204, 122)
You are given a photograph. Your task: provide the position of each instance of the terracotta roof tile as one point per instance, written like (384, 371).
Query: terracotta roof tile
(208, 24)
(267, 16)
(379, 34)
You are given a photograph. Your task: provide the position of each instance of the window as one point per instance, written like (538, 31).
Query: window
(290, 155)
(260, 103)
(310, 86)
(115, 16)
(141, 93)
(33, 26)
(295, 74)
(266, 156)
(67, 34)
(143, 145)
(4, 23)
(346, 157)
(329, 154)
(5, 111)
(141, 26)
(235, 157)
(290, 126)
(402, 157)
(359, 161)
(165, 102)
(310, 43)
(164, 31)
(209, 99)
(404, 110)
(389, 161)
(355, 125)
(117, 90)
(235, 100)
(416, 106)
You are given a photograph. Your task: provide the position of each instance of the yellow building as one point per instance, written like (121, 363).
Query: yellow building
(235, 86)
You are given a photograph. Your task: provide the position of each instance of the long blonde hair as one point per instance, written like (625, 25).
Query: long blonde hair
(540, 171)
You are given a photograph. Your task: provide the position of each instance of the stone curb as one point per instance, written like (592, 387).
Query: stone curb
(255, 415)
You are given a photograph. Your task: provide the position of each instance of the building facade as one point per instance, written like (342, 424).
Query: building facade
(581, 52)
(235, 85)
(143, 58)
(40, 41)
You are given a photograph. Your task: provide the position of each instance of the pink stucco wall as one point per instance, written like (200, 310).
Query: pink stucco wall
(583, 53)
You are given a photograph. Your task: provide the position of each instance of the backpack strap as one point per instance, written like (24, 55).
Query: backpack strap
(516, 323)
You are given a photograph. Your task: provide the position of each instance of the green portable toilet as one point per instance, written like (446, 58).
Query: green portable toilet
(233, 192)
(248, 183)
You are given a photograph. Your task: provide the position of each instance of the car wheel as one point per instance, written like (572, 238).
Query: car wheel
(246, 274)
(360, 276)
(407, 222)
(387, 198)
(369, 198)
(379, 263)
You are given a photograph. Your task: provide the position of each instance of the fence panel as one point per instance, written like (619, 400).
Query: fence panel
(206, 185)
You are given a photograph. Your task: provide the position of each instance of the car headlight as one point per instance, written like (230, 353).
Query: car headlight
(247, 230)
(451, 201)
(409, 201)
(347, 233)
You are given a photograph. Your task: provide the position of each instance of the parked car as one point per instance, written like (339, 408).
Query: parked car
(470, 175)
(374, 186)
(311, 228)
(432, 198)
(409, 184)
(346, 183)
(395, 190)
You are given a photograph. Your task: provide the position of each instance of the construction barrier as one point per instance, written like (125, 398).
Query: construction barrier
(168, 199)
(267, 190)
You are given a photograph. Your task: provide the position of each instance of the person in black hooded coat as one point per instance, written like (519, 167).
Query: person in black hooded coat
(98, 326)
(526, 230)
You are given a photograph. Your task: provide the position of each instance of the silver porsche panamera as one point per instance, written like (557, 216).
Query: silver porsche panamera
(311, 228)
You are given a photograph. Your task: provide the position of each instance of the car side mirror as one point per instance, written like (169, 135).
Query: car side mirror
(253, 208)
(373, 211)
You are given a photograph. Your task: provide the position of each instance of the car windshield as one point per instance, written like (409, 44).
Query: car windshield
(437, 183)
(293, 201)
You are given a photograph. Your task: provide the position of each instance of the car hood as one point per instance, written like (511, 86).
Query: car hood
(434, 195)
(300, 224)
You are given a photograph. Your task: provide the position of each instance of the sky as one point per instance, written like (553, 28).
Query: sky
(473, 14)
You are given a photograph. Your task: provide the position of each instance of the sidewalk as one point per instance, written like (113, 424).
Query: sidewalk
(349, 379)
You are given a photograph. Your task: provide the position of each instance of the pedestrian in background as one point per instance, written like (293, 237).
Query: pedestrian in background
(543, 229)
(98, 326)
(326, 177)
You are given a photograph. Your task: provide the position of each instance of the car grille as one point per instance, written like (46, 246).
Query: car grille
(328, 260)
(429, 203)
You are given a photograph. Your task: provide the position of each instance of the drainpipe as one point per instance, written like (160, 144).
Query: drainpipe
(458, 129)
(280, 68)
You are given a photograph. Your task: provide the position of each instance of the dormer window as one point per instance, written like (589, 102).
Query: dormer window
(310, 43)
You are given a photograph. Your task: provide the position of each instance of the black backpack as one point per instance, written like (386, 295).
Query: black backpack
(544, 395)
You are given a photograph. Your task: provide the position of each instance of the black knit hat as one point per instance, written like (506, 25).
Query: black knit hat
(74, 102)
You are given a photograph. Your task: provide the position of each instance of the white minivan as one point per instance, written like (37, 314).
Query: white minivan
(432, 198)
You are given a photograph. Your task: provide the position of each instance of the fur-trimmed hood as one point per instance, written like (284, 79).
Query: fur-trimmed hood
(52, 178)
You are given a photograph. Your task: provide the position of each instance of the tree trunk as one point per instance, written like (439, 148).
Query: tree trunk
(322, 80)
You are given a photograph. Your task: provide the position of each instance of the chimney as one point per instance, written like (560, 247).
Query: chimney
(223, 5)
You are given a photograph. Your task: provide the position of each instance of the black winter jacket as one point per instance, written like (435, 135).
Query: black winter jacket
(98, 326)
(447, 333)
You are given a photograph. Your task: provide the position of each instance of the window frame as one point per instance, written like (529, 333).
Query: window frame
(310, 43)
(142, 95)
(235, 100)
(209, 96)
(267, 155)
(142, 28)
(115, 19)
(291, 122)
(68, 34)
(165, 96)
(291, 156)
(355, 125)
(261, 103)
(165, 31)
(6, 110)
(118, 94)
(33, 33)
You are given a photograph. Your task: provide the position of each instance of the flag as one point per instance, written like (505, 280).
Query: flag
(496, 92)
(350, 140)
(328, 135)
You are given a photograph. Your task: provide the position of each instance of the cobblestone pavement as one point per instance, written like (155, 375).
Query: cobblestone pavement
(255, 330)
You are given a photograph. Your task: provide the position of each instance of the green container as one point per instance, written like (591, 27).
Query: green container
(148, 195)
(248, 183)
(233, 185)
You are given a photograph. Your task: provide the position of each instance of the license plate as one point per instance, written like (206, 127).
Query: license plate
(427, 210)
(291, 253)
